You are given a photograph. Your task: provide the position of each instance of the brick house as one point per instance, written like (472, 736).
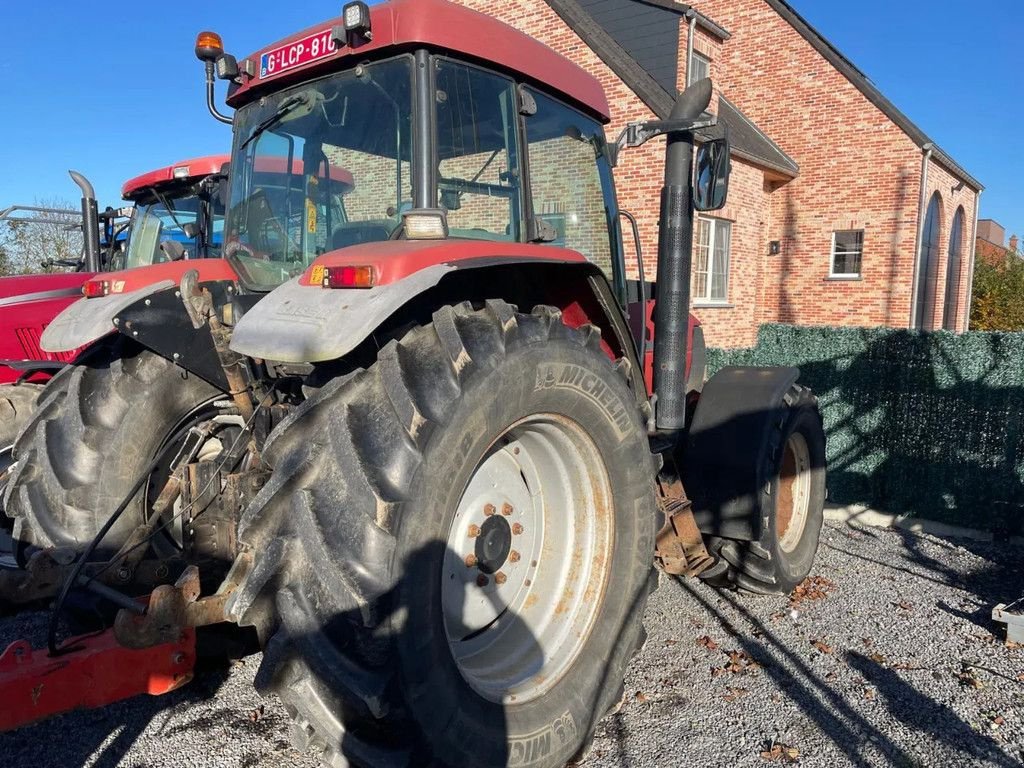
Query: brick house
(841, 210)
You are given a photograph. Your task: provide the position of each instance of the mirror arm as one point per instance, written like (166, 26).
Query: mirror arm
(636, 134)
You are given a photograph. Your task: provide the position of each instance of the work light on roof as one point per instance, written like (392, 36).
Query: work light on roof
(357, 22)
(181, 172)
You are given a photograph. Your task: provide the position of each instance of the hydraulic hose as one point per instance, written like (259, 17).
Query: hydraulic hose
(76, 573)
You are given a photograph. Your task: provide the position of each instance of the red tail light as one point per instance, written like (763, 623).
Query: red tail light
(93, 289)
(349, 277)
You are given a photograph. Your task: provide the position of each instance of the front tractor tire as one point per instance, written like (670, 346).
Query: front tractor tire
(451, 559)
(792, 507)
(98, 426)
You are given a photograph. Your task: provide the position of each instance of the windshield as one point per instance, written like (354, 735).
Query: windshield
(319, 167)
(168, 219)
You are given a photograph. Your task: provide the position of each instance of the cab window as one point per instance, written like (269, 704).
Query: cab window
(478, 158)
(571, 184)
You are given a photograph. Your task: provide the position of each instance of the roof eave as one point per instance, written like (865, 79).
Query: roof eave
(861, 82)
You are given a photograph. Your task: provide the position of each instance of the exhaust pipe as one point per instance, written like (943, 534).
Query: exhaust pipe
(675, 253)
(90, 222)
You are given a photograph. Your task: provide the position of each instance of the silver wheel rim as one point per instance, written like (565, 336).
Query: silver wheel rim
(528, 557)
(794, 493)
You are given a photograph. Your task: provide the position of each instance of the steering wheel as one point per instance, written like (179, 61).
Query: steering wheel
(236, 247)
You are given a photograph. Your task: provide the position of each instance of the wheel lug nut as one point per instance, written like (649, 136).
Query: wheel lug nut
(481, 580)
(489, 509)
(506, 509)
(474, 531)
(513, 556)
(500, 578)
(470, 561)
(517, 528)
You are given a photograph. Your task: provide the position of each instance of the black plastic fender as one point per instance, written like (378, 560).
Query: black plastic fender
(159, 322)
(728, 453)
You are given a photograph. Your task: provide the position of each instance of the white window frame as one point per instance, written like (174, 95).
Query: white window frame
(713, 226)
(694, 55)
(832, 257)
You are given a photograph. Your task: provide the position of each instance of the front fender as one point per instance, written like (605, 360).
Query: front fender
(87, 320)
(731, 447)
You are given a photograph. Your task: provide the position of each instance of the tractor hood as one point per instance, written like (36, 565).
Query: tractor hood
(89, 319)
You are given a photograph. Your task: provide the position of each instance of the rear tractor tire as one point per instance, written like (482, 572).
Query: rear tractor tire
(17, 402)
(452, 556)
(98, 425)
(794, 506)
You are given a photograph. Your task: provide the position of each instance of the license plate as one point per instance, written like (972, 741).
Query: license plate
(285, 57)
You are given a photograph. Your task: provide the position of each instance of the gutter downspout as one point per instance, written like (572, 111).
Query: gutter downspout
(691, 15)
(914, 298)
(970, 269)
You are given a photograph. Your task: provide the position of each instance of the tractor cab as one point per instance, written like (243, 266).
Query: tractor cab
(433, 143)
(178, 213)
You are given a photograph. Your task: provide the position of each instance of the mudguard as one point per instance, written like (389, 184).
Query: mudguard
(729, 451)
(160, 323)
(89, 319)
(298, 323)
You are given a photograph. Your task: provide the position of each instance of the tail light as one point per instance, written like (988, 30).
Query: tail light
(349, 277)
(93, 289)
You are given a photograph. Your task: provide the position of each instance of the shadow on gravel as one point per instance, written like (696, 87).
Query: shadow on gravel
(926, 715)
(824, 705)
(999, 580)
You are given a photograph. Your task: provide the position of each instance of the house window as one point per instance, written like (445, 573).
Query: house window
(847, 250)
(700, 67)
(711, 260)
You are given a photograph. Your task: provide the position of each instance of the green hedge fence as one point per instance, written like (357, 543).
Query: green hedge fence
(926, 424)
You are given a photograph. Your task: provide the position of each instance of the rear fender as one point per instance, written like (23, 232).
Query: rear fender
(729, 452)
(87, 320)
(301, 323)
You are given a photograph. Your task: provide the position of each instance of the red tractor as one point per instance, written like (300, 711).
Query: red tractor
(407, 434)
(176, 204)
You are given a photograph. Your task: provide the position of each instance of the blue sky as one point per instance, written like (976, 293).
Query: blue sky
(116, 92)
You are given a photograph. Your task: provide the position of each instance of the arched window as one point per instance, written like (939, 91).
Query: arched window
(928, 265)
(953, 265)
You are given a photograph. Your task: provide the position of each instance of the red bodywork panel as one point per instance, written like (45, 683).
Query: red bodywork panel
(196, 168)
(393, 260)
(22, 322)
(436, 24)
(205, 166)
(132, 279)
(34, 686)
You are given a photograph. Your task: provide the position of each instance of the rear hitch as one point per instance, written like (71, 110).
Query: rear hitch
(170, 611)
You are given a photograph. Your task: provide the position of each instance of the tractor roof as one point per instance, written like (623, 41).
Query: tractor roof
(403, 25)
(187, 170)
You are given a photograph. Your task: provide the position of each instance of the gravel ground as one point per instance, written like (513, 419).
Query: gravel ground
(887, 658)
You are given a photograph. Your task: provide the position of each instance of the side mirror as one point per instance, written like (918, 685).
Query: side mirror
(451, 200)
(711, 186)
